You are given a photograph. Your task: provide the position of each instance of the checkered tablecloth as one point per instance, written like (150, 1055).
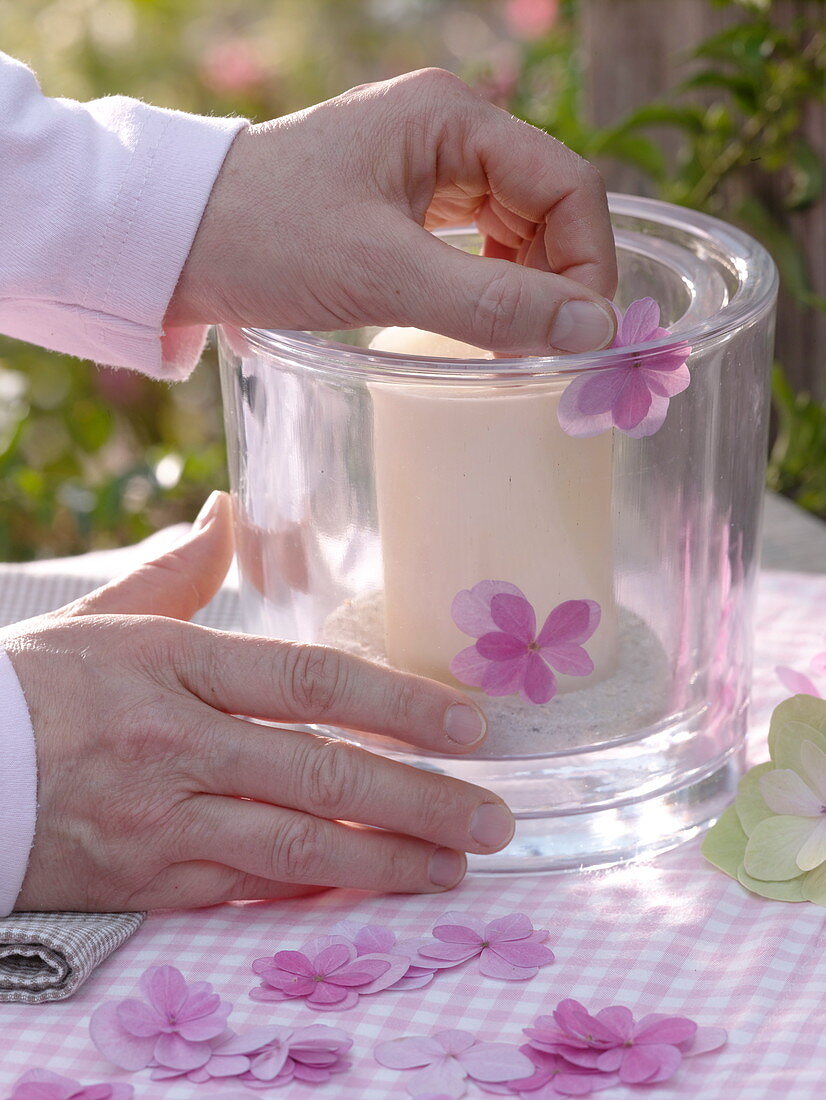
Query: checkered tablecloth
(668, 935)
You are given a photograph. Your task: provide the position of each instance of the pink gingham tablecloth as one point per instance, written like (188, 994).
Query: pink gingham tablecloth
(667, 935)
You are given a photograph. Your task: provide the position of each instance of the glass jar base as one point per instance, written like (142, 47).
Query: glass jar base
(601, 838)
(607, 803)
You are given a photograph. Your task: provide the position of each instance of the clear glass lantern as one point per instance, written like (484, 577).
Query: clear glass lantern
(434, 514)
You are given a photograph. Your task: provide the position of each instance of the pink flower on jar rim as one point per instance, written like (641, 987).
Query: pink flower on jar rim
(633, 395)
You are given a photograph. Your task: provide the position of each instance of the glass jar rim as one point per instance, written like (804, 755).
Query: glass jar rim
(747, 262)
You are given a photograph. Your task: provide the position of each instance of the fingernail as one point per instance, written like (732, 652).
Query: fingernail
(492, 825)
(446, 867)
(208, 511)
(463, 724)
(581, 326)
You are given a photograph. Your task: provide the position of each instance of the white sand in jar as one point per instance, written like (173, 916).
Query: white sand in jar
(635, 696)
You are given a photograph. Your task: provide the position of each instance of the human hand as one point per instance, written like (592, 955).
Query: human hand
(151, 794)
(318, 221)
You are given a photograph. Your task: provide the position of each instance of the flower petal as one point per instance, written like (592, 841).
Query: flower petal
(653, 420)
(568, 658)
(469, 666)
(498, 646)
(602, 389)
(492, 965)
(639, 322)
(750, 804)
(408, 1053)
(788, 890)
(617, 1021)
(332, 957)
(470, 609)
(173, 1052)
(523, 953)
(665, 1029)
(504, 677)
(513, 615)
(571, 621)
(165, 988)
(446, 1077)
(771, 853)
(114, 1042)
(396, 968)
(649, 1063)
(813, 852)
(516, 926)
(786, 793)
(450, 952)
(495, 1062)
(458, 927)
(813, 886)
(705, 1039)
(293, 962)
(666, 382)
(813, 760)
(572, 420)
(796, 682)
(632, 403)
(539, 683)
(139, 1018)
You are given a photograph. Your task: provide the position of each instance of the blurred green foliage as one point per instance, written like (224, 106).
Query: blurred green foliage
(93, 457)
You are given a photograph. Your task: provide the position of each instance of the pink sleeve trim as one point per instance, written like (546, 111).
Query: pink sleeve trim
(101, 202)
(18, 785)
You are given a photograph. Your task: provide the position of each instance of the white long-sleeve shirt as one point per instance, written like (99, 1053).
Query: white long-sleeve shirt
(99, 204)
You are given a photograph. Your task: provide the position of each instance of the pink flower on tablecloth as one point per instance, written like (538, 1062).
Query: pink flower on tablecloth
(509, 948)
(378, 938)
(172, 1027)
(271, 1056)
(798, 683)
(509, 657)
(444, 1061)
(329, 979)
(611, 1042)
(634, 394)
(41, 1084)
(554, 1076)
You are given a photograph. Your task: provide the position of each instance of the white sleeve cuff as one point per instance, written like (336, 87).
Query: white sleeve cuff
(18, 785)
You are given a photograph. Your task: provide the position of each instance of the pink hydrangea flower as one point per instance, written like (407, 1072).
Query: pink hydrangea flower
(41, 1084)
(271, 1056)
(445, 1060)
(611, 1042)
(554, 1076)
(509, 657)
(634, 394)
(378, 938)
(172, 1027)
(329, 979)
(509, 948)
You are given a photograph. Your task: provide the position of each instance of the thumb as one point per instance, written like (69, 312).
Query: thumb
(495, 303)
(177, 583)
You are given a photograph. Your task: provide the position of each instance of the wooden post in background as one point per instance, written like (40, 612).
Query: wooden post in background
(636, 51)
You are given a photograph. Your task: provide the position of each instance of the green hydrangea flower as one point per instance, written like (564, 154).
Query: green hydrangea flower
(773, 838)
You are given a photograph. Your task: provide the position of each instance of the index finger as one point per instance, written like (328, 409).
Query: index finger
(539, 179)
(282, 681)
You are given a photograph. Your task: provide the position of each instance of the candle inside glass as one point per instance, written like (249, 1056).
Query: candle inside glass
(480, 483)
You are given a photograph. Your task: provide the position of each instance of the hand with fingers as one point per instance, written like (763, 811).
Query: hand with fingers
(319, 220)
(153, 793)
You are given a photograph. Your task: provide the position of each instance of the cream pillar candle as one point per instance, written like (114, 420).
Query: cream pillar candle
(481, 483)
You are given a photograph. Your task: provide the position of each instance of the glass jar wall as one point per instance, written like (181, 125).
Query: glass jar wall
(485, 522)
